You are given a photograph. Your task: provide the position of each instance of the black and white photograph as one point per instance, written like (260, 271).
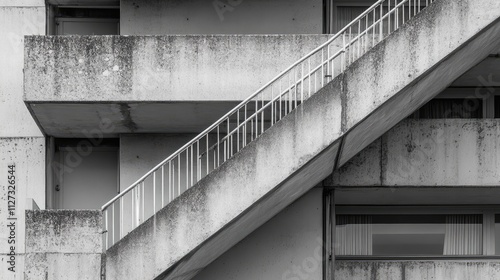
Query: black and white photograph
(249, 139)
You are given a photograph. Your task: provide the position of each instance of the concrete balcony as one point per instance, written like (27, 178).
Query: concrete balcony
(424, 162)
(149, 84)
(417, 270)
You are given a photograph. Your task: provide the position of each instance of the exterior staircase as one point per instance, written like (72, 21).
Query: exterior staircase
(292, 133)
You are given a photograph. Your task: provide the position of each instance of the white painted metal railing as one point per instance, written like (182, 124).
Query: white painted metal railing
(252, 117)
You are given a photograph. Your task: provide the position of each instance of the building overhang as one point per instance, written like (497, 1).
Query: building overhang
(149, 84)
(85, 3)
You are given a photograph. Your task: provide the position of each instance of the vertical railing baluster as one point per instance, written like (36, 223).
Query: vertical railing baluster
(120, 221)
(106, 229)
(322, 68)
(218, 146)
(143, 198)
(301, 82)
(154, 192)
(272, 105)
(245, 128)
(132, 210)
(170, 184)
(262, 114)
(162, 186)
(113, 223)
(208, 154)
(179, 175)
(279, 94)
(187, 168)
(381, 23)
(191, 164)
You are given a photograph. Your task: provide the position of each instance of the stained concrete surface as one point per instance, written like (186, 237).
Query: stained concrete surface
(418, 270)
(276, 168)
(63, 244)
(435, 152)
(142, 84)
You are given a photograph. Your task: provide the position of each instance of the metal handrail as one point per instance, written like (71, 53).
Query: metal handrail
(352, 48)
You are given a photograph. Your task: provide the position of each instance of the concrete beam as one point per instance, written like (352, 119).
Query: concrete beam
(142, 84)
(441, 152)
(417, 270)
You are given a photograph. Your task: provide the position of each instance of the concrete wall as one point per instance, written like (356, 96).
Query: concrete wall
(17, 20)
(63, 244)
(289, 246)
(221, 17)
(418, 270)
(439, 152)
(21, 142)
(158, 68)
(28, 155)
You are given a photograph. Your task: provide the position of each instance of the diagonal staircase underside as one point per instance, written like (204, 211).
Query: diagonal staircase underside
(393, 79)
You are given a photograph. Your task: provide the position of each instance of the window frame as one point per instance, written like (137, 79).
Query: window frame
(488, 212)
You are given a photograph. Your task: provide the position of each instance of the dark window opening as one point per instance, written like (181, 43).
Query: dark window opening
(83, 20)
(451, 108)
(497, 107)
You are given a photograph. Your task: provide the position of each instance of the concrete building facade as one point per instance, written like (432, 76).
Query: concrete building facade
(385, 168)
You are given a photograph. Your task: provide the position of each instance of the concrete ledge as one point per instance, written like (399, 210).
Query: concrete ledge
(142, 84)
(418, 270)
(63, 244)
(156, 68)
(440, 152)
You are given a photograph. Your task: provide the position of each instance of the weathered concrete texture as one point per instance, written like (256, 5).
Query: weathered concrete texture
(63, 244)
(28, 156)
(443, 152)
(24, 18)
(221, 17)
(142, 84)
(290, 240)
(416, 65)
(418, 270)
(157, 68)
(22, 3)
(42, 266)
(180, 239)
(293, 155)
(63, 231)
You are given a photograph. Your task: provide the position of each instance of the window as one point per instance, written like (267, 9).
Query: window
(409, 235)
(340, 13)
(83, 20)
(497, 234)
(451, 108)
(497, 107)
